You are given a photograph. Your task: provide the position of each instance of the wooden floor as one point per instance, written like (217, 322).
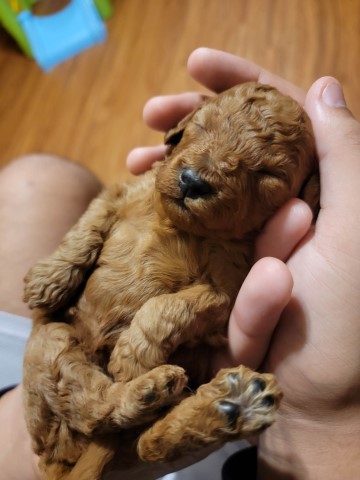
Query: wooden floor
(89, 109)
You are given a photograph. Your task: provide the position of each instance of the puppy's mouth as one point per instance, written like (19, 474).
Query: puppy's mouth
(180, 203)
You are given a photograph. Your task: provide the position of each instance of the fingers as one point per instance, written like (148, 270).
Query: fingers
(284, 230)
(140, 159)
(267, 289)
(164, 112)
(214, 69)
(260, 302)
(337, 136)
(161, 113)
(219, 70)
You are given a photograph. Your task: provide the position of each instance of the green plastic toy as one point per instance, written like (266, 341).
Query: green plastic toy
(10, 9)
(8, 18)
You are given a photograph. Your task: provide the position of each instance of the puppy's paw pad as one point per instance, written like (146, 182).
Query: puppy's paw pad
(150, 397)
(268, 401)
(248, 401)
(258, 385)
(231, 410)
(164, 384)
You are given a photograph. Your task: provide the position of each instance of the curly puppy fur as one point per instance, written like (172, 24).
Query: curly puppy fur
(138, 294)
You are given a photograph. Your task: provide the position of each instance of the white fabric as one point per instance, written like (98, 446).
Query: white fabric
(14, 332)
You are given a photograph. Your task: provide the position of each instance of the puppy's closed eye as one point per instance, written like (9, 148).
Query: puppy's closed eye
(272, 173)
(273, 186)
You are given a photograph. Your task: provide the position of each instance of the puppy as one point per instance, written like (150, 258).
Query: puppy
(130, 307)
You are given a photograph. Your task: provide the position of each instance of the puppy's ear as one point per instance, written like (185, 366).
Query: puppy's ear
(310, 193)
(174, 135)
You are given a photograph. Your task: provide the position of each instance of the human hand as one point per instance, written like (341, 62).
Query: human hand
(268, 286)
(315, 350)
(262, 297)
(17, 461)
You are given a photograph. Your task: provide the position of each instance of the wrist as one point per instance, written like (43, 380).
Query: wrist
(297, 448)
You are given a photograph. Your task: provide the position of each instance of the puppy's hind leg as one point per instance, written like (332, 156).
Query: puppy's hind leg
(61, 381)
(90, 465)
(237, 403)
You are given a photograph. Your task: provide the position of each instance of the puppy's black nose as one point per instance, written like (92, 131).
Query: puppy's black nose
(191, 185)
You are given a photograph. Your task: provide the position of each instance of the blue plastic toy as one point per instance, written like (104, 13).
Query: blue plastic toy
(55, 38)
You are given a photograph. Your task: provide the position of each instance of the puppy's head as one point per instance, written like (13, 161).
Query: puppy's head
(236, 159)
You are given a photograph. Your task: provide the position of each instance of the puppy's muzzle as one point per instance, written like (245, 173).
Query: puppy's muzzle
(192, 185)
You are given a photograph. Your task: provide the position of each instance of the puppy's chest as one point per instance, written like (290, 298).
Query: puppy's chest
(156, 261)
(139, 262)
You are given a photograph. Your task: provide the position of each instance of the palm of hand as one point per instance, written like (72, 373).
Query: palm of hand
(315, 352)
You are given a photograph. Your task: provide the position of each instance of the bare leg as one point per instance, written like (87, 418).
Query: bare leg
(41, 197)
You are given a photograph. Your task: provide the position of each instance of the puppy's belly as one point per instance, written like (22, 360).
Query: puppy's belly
(136, 264)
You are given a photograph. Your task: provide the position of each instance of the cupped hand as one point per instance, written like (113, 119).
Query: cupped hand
(262, 298)
(315, 348)
(217, 71)
(268, 286)
(315, 351)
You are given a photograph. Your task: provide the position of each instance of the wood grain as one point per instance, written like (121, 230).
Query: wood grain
(89, 109)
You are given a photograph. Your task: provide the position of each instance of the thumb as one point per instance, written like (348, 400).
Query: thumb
(337, 136)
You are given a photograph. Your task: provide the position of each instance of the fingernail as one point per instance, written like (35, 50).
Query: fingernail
(333, 96)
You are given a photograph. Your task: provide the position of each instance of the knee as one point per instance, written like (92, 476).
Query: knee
(44, 172)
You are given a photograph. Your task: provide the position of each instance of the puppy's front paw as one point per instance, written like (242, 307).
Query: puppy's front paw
(49, 284)
(246, 401)
(149, 394)
(162, 385)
